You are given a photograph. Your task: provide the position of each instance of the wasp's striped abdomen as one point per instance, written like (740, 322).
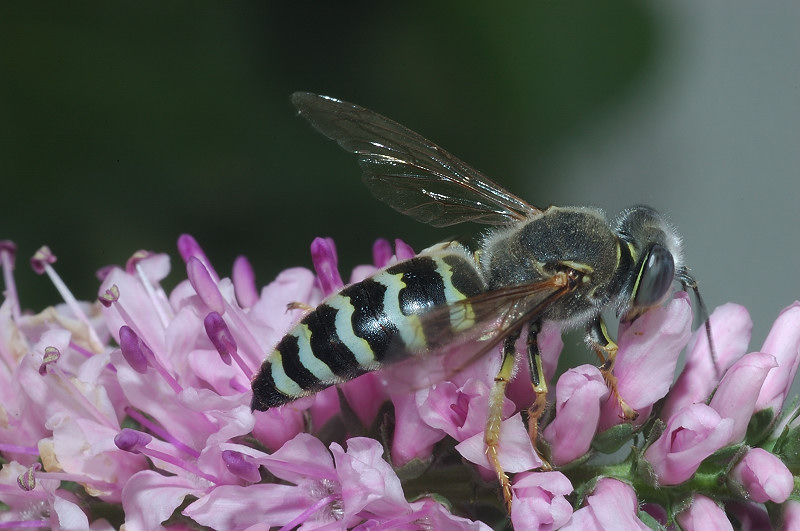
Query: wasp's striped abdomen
(369, 324)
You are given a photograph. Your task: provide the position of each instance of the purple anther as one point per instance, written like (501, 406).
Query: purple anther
(402, 250)
(220, 336)
(27, 480)
(323, 255)
(133, 349)
(244, 282)
(238, 464)
(381, 252)
(109, 296)
(42, 258)
(204, 285)
(51, 355)
(132, 441)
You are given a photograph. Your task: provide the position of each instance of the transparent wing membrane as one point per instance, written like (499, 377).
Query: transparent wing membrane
(410, 173)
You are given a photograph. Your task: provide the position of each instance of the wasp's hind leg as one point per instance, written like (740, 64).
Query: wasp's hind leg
(606, 349)
(495, 416)
(504, 375)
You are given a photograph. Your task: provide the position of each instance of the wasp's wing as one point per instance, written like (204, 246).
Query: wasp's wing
(488, 319)
(410, 173)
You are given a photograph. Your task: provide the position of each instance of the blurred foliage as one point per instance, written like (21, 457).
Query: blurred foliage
(122, 125)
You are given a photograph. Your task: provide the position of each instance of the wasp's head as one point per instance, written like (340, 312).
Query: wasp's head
(656, 260)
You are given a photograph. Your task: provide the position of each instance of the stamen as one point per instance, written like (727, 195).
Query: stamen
(159, 299)
(188, 248)
(134, 350)
(41, 263)
(220, 336)
(302, 517)
(238, 465)
(132, 441)
(161, 432)
(8, 253)
(205, 285)
(51, 356)
(244, 282)
(27, 480)
(402, 250)
(25, 524)
(110, 296)
(136, 442)
(16, 449)
(138, 350)
(323, 255)
(381, 252)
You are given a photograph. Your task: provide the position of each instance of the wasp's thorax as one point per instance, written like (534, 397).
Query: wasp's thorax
(629, 264)
(576, 238)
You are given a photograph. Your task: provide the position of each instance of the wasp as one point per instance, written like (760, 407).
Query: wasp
(562, 264)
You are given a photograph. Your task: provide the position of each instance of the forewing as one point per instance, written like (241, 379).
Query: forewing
(410, 173)
(497, 315)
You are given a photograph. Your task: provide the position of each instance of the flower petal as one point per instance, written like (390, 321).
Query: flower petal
(516, 452)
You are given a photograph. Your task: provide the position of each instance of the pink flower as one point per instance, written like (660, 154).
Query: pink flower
(704, 515)
(790, 515)
(339, 488)
(579, 394)
(783, 342)
(749, 515)
(174, 367)
(413, 438)
(763, 476)
(730, 326)
(516, 452)
(736, 395)
(612, 505)
(539, 500)
(648, 353)
(693, 434)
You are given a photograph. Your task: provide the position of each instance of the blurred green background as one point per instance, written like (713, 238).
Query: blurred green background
(123, 126)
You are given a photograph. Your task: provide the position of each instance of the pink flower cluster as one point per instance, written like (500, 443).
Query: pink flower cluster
(137, 408)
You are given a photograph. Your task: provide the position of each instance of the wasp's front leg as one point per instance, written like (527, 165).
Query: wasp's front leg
(606, 349)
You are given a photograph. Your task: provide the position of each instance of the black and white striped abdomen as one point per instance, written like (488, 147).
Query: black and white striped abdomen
(367, 325)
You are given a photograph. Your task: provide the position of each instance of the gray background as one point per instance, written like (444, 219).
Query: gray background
(121, 127)
(712, 139)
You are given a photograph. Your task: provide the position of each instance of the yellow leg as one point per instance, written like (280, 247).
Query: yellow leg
(606, 349)
(299, 306)
(492, 433)
(539, 383)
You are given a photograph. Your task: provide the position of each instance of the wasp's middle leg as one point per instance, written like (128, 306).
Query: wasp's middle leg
(538, 381)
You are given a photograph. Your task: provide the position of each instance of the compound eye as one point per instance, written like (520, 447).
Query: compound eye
(655, 277)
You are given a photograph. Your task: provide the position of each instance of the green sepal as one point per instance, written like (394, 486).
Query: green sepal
(759, 426)
(413, 469)
(649, 521)
(643, 470)
(721, 461)
(787, 448)
(613, 438)
(657, 428)
(584, 489)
